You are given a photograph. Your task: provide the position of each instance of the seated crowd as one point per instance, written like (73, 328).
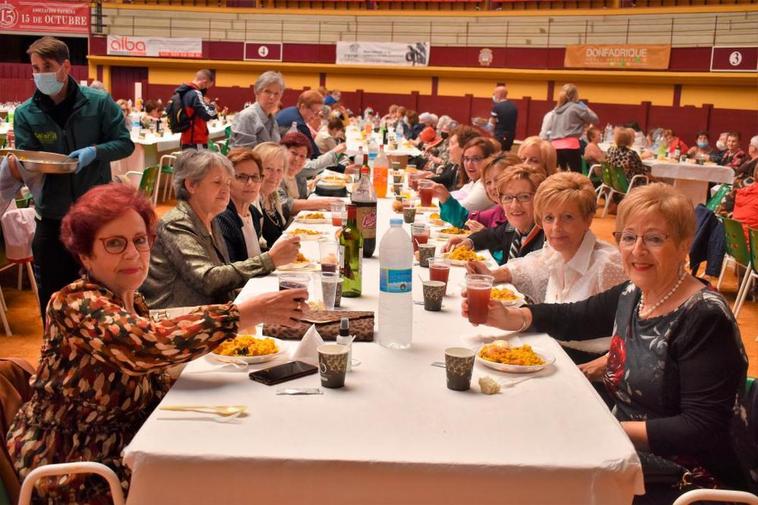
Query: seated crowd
(665, 346)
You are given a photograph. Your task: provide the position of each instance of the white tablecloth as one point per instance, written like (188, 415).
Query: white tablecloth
(394, 434)
(690, 178)
(353, 140)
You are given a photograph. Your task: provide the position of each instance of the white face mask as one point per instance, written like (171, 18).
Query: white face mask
(47, 83)
(721, 145)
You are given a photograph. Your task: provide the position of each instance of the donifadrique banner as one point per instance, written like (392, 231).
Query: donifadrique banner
(123, 45)
(618, 56)
(414, 54)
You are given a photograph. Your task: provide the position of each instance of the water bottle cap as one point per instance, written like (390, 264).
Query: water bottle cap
(396, 221)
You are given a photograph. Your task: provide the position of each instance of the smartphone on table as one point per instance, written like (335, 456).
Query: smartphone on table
(283, 373)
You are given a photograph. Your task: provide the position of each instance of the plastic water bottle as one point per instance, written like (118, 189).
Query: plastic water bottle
(395, 287)
(293, 127)
(608, 135)
(399, 131)
(373, 152)
(135, 122)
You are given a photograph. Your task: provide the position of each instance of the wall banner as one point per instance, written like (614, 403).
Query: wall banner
(618, 56)
(413, 54)
(44, 17)
(154, 47)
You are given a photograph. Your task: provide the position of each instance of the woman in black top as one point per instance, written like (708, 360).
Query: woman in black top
(519, 235)
(676, 363)
(242, 222)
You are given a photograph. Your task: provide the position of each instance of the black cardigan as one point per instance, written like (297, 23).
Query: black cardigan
(680, 373)
(231, 228)
(499, 239)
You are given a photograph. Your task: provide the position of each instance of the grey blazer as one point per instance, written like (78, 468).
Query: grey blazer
(189, 266)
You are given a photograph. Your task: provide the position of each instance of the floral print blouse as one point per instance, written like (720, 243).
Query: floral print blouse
(102, 371)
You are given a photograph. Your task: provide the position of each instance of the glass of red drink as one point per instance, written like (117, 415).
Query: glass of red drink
(339, 214)
(419, 234)
(294, 281)
(478, 288)
(425, 191)
(439, 270)
(413, 178)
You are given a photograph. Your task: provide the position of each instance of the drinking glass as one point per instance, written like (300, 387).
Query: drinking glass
(479, 288)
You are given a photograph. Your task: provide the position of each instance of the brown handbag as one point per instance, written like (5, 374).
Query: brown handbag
(327, 324)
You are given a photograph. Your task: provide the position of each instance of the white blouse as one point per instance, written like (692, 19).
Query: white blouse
(473, 196)
(545, 277)
(251, 238)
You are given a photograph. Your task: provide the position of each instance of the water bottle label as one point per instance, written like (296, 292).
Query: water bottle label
(395, 281)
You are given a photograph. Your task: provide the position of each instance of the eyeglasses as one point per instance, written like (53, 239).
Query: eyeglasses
(520, 198)
(628, 239)
(472, 159)
(117, 244)
(247, 179)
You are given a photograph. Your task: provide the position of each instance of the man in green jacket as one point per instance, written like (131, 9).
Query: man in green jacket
(86, 125)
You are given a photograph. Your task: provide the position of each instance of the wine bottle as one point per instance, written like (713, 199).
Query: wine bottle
(351, 245)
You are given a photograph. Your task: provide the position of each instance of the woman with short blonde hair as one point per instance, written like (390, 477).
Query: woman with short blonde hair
(539, 154)
(518, 235)
(457, 215)
(676, 366)
(574, 264)
(558, 191)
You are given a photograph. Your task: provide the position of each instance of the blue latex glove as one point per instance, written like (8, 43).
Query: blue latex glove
(85, 156)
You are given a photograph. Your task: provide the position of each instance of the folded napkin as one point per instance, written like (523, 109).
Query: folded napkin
(307, 350)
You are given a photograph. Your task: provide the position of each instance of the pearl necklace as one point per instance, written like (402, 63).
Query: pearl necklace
(668, 295)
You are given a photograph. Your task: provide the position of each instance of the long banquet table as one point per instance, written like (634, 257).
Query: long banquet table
(394, 433)
(690, 178)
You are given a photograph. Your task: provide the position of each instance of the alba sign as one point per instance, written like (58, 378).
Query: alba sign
(44, 17)
(154, 47)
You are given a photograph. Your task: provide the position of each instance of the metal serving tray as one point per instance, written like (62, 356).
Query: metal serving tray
(42, 162)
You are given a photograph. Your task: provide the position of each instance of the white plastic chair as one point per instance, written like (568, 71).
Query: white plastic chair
(133, 177)
(27, 487)
(720, 495)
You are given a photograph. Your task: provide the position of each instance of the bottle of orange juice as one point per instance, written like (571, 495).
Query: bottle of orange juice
(381, 169)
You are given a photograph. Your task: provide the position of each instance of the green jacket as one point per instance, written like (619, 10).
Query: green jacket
(95, 120)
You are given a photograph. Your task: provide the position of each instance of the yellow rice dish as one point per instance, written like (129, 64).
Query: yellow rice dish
(501, 352)
(247, 345)
(464, 254)
(305, 232)
(454, 230)
(503, 295)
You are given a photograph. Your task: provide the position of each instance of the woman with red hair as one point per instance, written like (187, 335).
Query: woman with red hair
(104, 360)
